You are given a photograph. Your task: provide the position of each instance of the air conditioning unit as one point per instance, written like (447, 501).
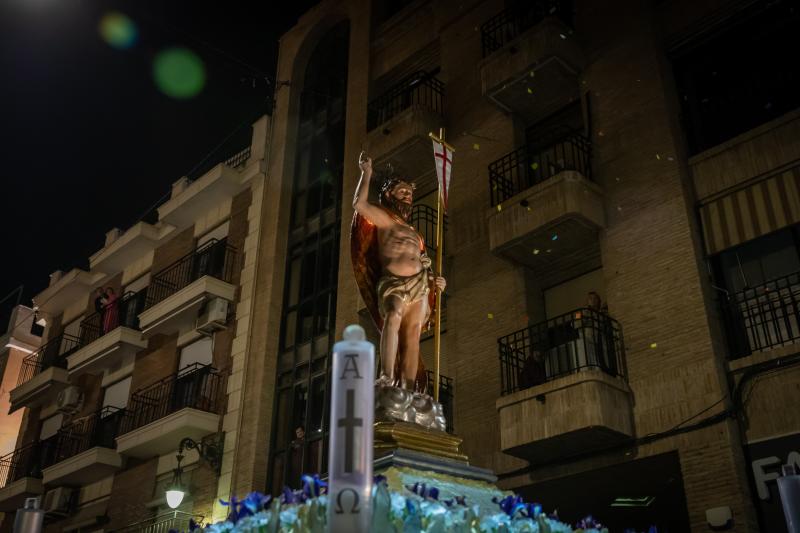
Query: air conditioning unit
(214, 318)
(56, 501)
(69, 400)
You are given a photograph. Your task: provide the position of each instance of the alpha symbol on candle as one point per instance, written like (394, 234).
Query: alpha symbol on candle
(349, 423)
(350, 366)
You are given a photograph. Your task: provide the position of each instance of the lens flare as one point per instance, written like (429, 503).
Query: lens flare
(179, 73)
(118, 30)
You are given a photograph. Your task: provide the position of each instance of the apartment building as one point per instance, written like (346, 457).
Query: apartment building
(645, 152)
(124, 376)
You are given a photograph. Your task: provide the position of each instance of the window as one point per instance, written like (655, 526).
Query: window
(573, 294)
(761, 260)
(220, 233)
(198, 352)
(116, 395)
(737, 77)
(50, 426)
(309, 307)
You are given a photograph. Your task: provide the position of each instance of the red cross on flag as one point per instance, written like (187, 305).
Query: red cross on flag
(443, 156)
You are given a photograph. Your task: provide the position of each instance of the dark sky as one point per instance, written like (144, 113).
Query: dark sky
(87, 140)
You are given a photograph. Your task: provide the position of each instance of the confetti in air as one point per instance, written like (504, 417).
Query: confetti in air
(534, 166)
(654, 345)
(118, 30)
(490, 316)
(530, 91)
(476, 146)
(499, 207)
(658, 156)
(535, 251)
(531, 74)
(179, 73)
(562, 35)
(554, 237)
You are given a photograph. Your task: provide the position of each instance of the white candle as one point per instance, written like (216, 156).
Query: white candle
(350, 451)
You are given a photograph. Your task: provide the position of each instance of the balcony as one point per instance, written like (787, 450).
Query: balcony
(563, 387)
(186, 404)
(83, 452)
(20, 476)
(43, 371)
(163, 523)
(399, 122)
(107, 339)
(177, 293)
(531, 60)
(763, 319)
(546, 210)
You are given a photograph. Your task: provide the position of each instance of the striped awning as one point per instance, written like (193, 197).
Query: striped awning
(751, 211)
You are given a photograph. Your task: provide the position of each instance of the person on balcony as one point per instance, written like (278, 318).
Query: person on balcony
(110, 310)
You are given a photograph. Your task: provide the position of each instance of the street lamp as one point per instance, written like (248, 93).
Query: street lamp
(210, 451)
(175, 490)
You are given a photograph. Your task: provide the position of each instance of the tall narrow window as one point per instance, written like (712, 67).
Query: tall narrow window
(300, 434)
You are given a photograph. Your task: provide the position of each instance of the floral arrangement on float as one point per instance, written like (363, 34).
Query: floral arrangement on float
(418, 509)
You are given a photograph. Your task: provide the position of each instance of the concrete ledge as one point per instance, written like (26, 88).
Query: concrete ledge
(36, 390)
(86, 467)
(163, 435)
(541, 60)
(13, 495)
(130, 246)
(403, 142)
(178, 311)
(567, 205)
(109, 349)
(577, 412)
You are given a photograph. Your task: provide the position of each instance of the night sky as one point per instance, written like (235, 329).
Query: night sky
(89, 142)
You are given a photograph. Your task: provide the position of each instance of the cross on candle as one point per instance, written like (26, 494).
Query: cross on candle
(349, 423)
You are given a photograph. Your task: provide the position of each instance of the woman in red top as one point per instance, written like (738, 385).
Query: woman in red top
(110, 311)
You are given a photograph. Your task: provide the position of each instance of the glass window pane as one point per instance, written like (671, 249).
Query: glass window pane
(289, 329)
(317, 405)
(306, 321)
(294, 281)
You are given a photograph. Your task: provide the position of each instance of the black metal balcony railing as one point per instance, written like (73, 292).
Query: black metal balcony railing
(197, 386)
(525, 167)
(513, 21)
(238, 159)
(423, 217)
(22, 462)
(446, 396)
(52, 353)
(763, 317)
(580, 339)
(98, 429)
(125, 313)
(163, 523)
(419, 89)
(215, 259)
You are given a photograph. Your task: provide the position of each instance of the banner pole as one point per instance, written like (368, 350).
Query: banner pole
(437, 331)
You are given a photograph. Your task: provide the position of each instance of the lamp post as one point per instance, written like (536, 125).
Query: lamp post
(209, 451)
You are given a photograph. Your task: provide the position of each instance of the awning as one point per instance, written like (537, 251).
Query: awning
(751, 211)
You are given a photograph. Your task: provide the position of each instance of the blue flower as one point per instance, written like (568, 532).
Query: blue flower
(588, 523)
(313, 486)
(256, 502)
(422, 490)
(510, 504)
(236, 509)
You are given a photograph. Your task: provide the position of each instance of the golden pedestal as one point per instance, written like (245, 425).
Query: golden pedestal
(390, 436)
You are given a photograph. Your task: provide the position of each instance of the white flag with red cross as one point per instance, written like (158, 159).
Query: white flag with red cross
(443, 156)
